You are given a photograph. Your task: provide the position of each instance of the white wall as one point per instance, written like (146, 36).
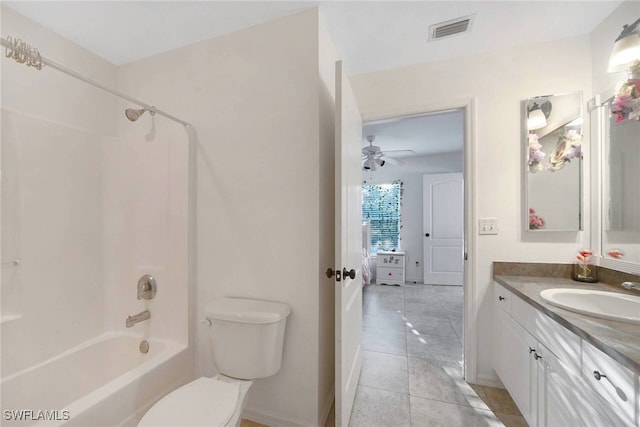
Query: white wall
(410, 173)
(497, 82)
(264, 131)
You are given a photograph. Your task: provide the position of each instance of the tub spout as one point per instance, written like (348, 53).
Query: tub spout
(136, 318)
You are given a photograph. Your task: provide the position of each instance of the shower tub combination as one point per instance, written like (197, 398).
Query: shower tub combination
(109, 380)
(105, 381)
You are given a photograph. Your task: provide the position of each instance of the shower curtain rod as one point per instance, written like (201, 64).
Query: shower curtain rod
(34, 56)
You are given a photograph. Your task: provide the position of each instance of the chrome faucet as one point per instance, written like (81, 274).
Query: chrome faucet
(137, 318)
(631, 285)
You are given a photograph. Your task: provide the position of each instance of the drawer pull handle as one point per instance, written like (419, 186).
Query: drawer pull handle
(621, 394)
(532, 350)
(597, 375)
(500, 298)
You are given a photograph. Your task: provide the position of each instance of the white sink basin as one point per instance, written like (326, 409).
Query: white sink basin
(607, 305)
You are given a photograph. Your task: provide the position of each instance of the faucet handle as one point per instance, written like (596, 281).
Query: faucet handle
(147, 287)
(631, 285)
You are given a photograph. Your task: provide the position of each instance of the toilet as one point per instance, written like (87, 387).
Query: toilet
(246, 338)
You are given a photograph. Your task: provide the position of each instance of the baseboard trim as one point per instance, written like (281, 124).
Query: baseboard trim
(272, 420)
(489, 380)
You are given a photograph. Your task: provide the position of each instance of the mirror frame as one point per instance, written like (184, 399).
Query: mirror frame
(525, 170)
(597, 120)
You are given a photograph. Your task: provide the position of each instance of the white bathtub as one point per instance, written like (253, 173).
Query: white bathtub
(103, 382)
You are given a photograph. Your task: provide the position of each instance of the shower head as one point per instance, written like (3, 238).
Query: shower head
(133, 114)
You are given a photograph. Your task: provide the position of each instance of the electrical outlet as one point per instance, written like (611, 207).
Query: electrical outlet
(488, 226)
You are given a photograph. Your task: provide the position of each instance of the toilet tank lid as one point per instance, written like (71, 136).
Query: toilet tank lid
(245, 310)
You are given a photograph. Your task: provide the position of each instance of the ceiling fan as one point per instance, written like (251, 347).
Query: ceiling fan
(373, 156)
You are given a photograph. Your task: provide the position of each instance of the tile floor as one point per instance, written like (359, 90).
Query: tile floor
(412, 364)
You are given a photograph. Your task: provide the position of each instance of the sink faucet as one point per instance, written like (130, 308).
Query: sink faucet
(136, 318)
(631, 285)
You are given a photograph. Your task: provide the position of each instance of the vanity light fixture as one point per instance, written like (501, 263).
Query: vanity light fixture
(626, 48)
(537, 115)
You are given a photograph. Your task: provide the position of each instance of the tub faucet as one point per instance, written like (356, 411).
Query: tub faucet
(137, 318)
(631, 285)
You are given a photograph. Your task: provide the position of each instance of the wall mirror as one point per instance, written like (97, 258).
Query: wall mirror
(553, 162)
(620, 184)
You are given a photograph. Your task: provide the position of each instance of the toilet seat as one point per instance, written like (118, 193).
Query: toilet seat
(203, 402)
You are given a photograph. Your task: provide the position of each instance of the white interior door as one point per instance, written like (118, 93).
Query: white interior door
(348, 247)
(443, 228)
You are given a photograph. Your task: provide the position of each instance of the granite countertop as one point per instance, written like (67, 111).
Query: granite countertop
(620, 340)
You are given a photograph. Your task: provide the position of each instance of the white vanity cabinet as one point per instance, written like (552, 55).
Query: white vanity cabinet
(549, 371)
(514, 360)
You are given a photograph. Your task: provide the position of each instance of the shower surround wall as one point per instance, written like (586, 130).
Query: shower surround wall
(55, 125)
(95, 210)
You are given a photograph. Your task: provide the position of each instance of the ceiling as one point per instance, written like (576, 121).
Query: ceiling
(425, 135)
(369, 36)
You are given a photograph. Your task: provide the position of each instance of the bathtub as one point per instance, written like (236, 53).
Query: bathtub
(106, 382)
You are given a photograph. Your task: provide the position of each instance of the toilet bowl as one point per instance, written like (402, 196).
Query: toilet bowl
(210, 402)
(247, 339)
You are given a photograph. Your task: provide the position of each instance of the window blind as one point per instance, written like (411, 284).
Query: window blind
(381, 206)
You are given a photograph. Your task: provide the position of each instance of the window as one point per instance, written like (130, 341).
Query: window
(381, 206)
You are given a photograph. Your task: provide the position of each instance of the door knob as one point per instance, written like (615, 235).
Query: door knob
(330, 272)
(350, 273)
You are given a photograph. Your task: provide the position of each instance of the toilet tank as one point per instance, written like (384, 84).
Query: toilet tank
(247, 336)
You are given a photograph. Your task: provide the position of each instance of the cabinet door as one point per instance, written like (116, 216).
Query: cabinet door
(614, 384)
(564, 398)
(515, 365)
(558, 404)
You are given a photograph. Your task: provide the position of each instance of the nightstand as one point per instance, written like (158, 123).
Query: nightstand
(390, 268)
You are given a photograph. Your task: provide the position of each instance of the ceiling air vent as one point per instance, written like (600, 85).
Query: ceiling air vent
(450, 28)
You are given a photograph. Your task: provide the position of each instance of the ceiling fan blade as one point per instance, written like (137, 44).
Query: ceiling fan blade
(391, 160)
(400, 152)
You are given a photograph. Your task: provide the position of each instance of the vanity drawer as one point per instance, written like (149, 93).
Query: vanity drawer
(502, 298)
(558, 339)
(523, 313)
(618, 388)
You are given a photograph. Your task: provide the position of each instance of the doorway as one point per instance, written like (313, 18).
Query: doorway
(413, 332)
(423, 156)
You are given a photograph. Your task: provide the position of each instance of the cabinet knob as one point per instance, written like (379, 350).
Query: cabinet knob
(531, 350)
(536, 356)
(500, 298)
(426, 234)
(597, 375)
